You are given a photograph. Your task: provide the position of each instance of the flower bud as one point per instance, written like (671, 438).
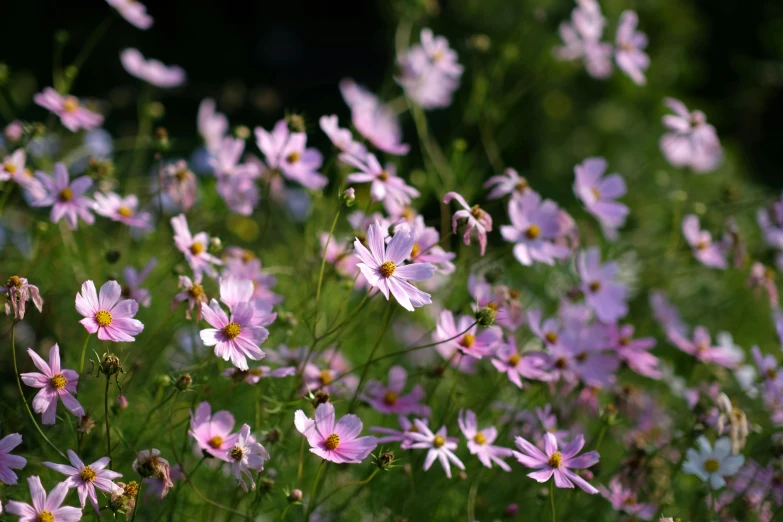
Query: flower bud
(349, 197)
(184, 382)
(122, 402)
(14, 131)
(266, 484)
(85, 424)
(112, 256)
(160, 140)
(486, 316)
(110, 364)
(215, 245)
(274, 435)
(384, 460)
(511, 510)
(295, 496)
(242, 132)
(296, 123)
(162, 380)
(320, 398)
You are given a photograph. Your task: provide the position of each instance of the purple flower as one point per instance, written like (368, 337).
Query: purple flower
(708, 253)
(581, 39)
(13, 168)
(287, 152)
(691, 141)
(426, 248)
(666, 313)
(152, 71)
(374, 120)
(602, 293)
(86, 479)
(475, 218)
(342, 138)
(9, 462)
(430, 71)
(236, 339)
(385, 186)
(236, 181)
(254, 375)
(701, 348)
(508, 360)
(19, 292)
(579, 355)
(72, 115)
(247, 456)
(470, 343)
(338, 442)
(133, 11)
(193, 293)
(598, 194)
(133, 281)
(535, 228)
(390, 399)
(635, 352)
(44, 508)
(109, 315)
(66, 198)
(480, 441)
(557, 463)
(55, 382)
(629, 54)
(624, 500)
(194, 247)
(121, 209)
(509, 183)
(213, 432)
(439, 447)
(179, 183)
(402, 436)
(212, 125)
(383, 268)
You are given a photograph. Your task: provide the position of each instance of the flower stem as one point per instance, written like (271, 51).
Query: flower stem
(323, 265)
(472, 498)
(84, 351)
(108, 425)
(552, 497)
(314, 491)
(387, 319)
(21, 392)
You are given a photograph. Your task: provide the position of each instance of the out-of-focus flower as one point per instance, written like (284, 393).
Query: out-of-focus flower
(462, 336)
(691, 141)
(133, 11)
(438, 445)
(254, 375)
(236, 181)
(558, 463)
(598, 193)
(708, 253)
(179, 183)
(193, 293)
(701, 348)
(374, 120)
(109, 315)
(635, 352)
(14, 168)
(603, 294)
(19, 292)
(509, 183)
(212, 125)
(247, 456)
(390, 399)
(712, 465)
(133, 281)
(385, 186)
(763, 278)
(287, 152)
(342, 138)
(194, 248)
(623, 499)
(212, 433)
(124, 210)
(86, 479)
(430, 71)
(155, 471)
(402, 436)
(44, 508)
(66, 198)
(474, 217)
(72, 115)
(10, 462)
(55, 383)
(666, 313)
(629, 53)
(480, 441)
(508, 360)
(236, 338)
(336, 442)
(537, 228)
(735, 420)
(582, 39)
(152, 71)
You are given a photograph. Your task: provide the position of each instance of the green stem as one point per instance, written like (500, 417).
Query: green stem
(92, 41)
(323, 265)
(386, 321)
(347, 484)
(9, 188)
(84, 351)
(314, 491)
(472, 498)
(108, 424)
(552, 497)
(19, 385)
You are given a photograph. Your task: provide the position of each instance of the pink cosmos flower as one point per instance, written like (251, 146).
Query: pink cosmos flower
(10, 462)
(212, 125)
(426, 248)
(179, 183)
(66, 198)
(124, 210)
(243, 264)
(536, 227)
(373, 119)
(691, 141)
(236, 181)
(20, 291)
(86, 479)
(254, 375)
(471, 343)
(13, 168)
(338, 442)
(439, 447)
(133, 11)
(508, 360)
(194, 248)
(666, 313)
(44, 508)
(510, 183)
(603, 294)
(480, 441)
(598, 194)
(629, 54)
(557, 463)
(383, 268)
(475, 218)
(549, 331)
(152, 71)
(708, 253)
(624, 500)
(193, 293)
(72, 115)
(701, 348)
(402, 436)
(108, 315)
(341, 138)
(635, 352)
(390, 399)
(155, 471)
(133, 281)
(581, 39)
(14, 131)
(234, 290)
(54, 382)
(430, 71)
(236, 339)
(287, 152)
(213, 432)
(385, 186)
(323, 375)
(247, 456)
(580, 355)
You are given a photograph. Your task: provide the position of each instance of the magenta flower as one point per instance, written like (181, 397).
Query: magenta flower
(390, 399)
(287, 152)
(72, 115)
(86, 479)
(373, 119)
(579, 355)
(133, 281)
(430, 71)
(179, 183)
(385, 186)
(535, 228)
(635, 352)
(666, 313)
(19, 292)
(213, 432)
(108, 315)
(475, 218)
(506, 359)
(124, 210)
(193, 293)
(598, 194)
(236, 339)
(708, 253)
(54, 382)
(66, 198)
(557, 463)
(701, 348)
(624, 500)
(338, 442)
(603, 294)
(254, 375)
(471, 342)
(194, 247)
(510, 183)
(342, 138)
(629, 55)
(480, 441)
(44, 508)
(133, 11)
(152, 71)
(691, 141)
(247, 456)
(439, 446)
(383, 268)
(10, 462)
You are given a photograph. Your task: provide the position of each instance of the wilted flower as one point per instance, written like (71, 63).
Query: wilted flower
(193, 293)
(155, 471)
(474, 217)
(19, 292)
(247, 456)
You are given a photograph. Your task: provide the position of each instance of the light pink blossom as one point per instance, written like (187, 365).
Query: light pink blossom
(337, 442)
(236, 338)
(152, 71)
(122, 209)
(108, 314)
(72, 115)
(55, 383)
(86, 479)
(194, 247)
(555, 462)
(474, 216)
(45, 507)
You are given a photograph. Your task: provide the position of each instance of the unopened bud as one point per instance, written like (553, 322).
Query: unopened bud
(162, 380)
(184, 381)
(274, 435)
(384, 460)
(161, 140)
(486, 316)
(295, 496)
(122, 402)
(242, 132)
(266, 484)
(349, 197)
(215, 245)
(296, 123)
(110, 364)
(511, 510)
(112, 256)
(320, 398)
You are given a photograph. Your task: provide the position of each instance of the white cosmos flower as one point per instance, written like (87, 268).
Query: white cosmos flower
(713, 464)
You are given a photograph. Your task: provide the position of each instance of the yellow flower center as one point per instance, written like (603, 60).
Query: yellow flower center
(556, 459)
(387, 268)
(595, 286)
(467, 340)
(625, 341)
(326, 377)
(10, 168)
(181, 174)
(247, 256)
(711, 465)
(103, 318)
(14, 281)
(66, 194)
(596, 194)
(131, 489)
(232, 330)
(332, 441)
(236, 453)
(438, 441)
(293, 157)
(437, 56)
(561, 363)
(383, 176)
(196, 248)
(415, 250)
(390, 398)
(476, 212)
(771, 373)
(58, 382)
(514, 360)
(701, 245)
(125, 212)
(196, 291)
(532, 232)
(70, 104)
(45, 516)
(551, 337)
(258, 372)
(88, 474)
(215, 442)
(480, 439)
